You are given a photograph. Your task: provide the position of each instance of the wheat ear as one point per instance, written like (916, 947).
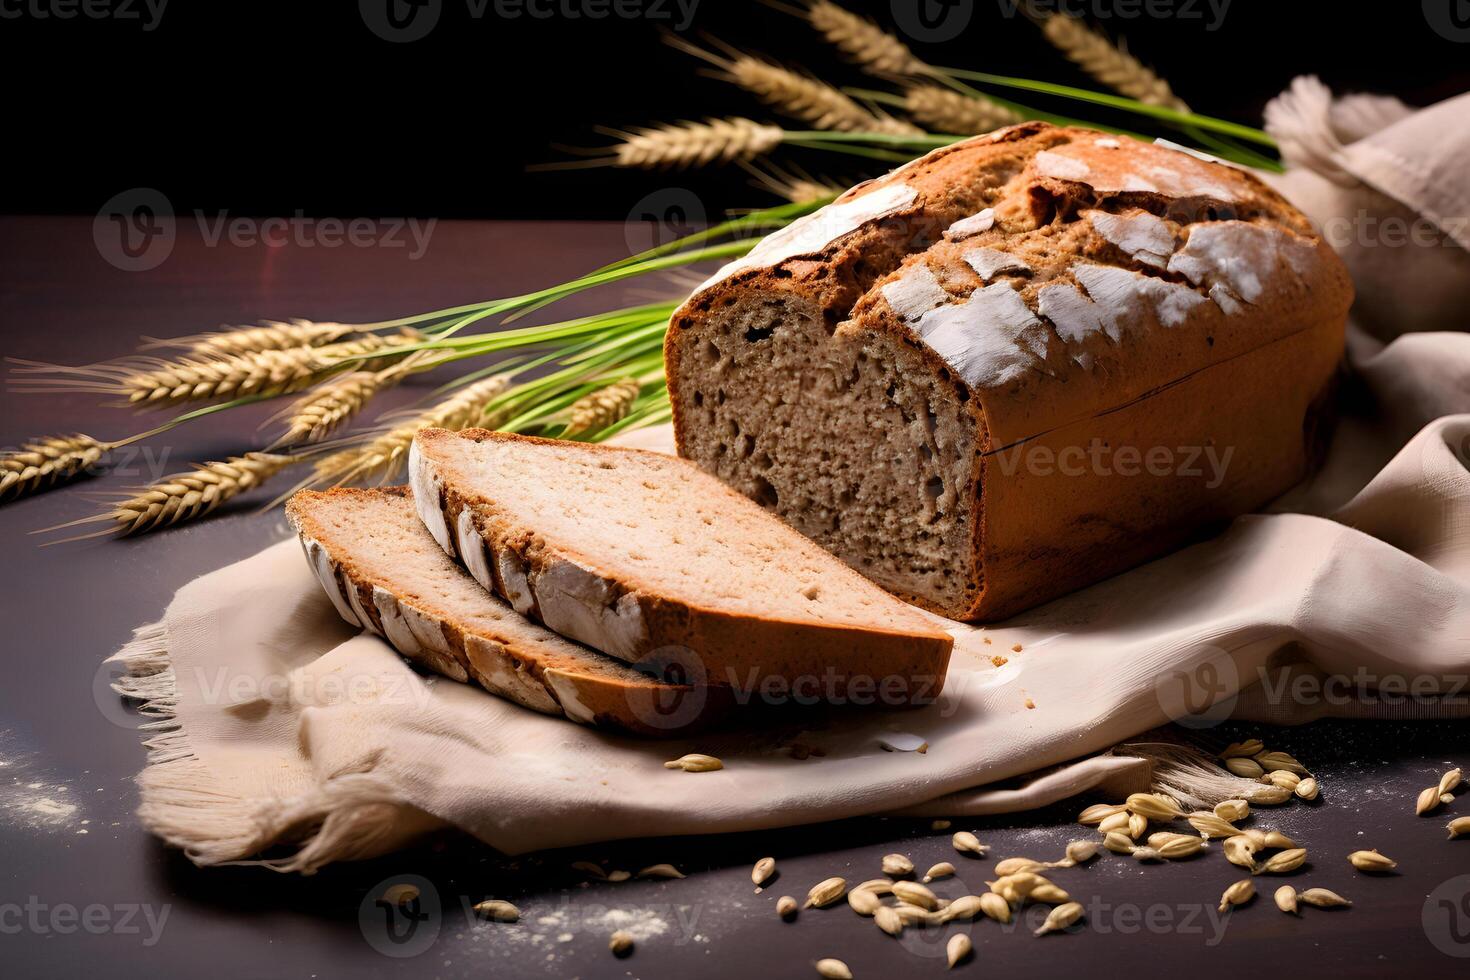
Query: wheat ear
(1108, 63)
(314, 417)
(863, 41)
(693, 144)
(943, 110)
(811, 100)
(271, 335)
(795, 184)
(383, 456)
(599, 409)
(797, 95)
(47, 462)
(184, 496)
(161, 383)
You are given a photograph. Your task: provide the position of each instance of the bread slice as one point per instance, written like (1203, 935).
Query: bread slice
(384, 572)
(645, 557)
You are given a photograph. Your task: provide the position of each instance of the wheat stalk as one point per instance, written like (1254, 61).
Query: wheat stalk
(161, 383)
(811, 100)
(1108, 63)
(797, 95)
(803, 191)
(943, 110)
(382, 456)
(794, 184)
(863, 41)
(271, 335)
(599, 409)
(185, 496)
(324, 408)
(697, 144)
(46, 462)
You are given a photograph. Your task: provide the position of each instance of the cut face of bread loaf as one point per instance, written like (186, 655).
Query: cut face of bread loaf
(648, 559)
(1036, 358)
(384, 572)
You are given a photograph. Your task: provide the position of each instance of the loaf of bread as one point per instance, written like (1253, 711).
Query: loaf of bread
(1017, 365)
(646, 558)
(385, 573)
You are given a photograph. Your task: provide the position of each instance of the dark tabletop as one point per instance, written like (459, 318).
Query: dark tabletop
(84, 890)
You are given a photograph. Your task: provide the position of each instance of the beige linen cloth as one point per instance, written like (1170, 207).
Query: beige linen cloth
(277, 731)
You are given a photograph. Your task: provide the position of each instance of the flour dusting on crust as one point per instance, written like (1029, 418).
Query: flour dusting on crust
(988, 262)
(991, 338)
(915, 293)
(1241, 261)
(1146, 238)
(814, 232)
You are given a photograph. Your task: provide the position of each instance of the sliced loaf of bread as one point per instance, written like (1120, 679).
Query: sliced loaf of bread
(384, 572)
(647, 558)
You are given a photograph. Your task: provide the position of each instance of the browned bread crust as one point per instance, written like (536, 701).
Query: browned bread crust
(843, 640)
(384, 572)
(907, 385)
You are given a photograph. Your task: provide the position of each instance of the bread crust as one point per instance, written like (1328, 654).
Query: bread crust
(1112, 291)
(728, 650)
(502, 662)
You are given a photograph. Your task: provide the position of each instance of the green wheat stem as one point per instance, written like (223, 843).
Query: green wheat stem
(1210, 123)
